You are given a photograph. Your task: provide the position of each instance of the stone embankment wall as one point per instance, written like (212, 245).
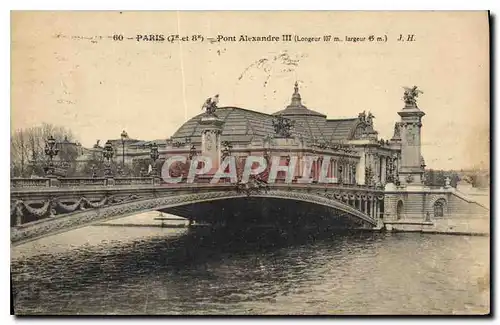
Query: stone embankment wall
(419, 210)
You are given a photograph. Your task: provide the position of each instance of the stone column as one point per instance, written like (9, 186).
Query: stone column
(383, 162)
(374, 203)
(210, 139)
(298, 168)
(349, 174)
(366, 205)
(411, 169)
(360, 172)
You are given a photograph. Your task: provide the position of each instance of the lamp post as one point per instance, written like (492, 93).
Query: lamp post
(108, 154)
(51, 150)
(192, 152)
(226, 150)
(154, 154)
(93, 171)
(124, 136)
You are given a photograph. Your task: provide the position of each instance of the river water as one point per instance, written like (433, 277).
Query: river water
(148, 270)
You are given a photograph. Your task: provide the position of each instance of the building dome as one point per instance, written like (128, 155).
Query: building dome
(244, 125)
(296, 108)
(240, 125)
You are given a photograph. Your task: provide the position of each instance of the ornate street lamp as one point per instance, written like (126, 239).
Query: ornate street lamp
(124, 136)
(267, 157)
(192, 152)
(93, 171)
(108, 154)
(51, 150)
(154, 154)
(226, 150)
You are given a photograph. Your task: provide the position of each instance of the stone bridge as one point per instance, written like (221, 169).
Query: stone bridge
(42, 207)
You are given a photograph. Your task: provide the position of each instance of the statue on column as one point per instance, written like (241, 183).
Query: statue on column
(367, 120)
(411, 95)
(210, 105)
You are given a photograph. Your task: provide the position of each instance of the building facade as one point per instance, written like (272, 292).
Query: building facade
(356, 154)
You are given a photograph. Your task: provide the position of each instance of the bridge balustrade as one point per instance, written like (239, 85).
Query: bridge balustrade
(41, 183)
(74, 182)
(39, 200)
(30, 182)
(134, 181)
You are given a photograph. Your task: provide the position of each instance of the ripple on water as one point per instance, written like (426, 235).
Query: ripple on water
(160, 271)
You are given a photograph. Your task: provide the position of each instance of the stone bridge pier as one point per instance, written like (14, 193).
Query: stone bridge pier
(421, 208)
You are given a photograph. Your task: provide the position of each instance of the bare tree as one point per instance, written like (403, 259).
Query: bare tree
(28, 149)
(19, 152)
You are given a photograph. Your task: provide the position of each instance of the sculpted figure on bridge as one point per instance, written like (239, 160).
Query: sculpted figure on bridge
(411, 95)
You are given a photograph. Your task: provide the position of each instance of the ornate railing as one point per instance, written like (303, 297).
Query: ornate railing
(134, 181)
(74, 182)
(30, 182)
(39, 183)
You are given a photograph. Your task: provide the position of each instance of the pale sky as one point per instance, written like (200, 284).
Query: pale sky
(150, 89)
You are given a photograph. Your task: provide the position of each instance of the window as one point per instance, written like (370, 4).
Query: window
(439, 208)
(399, 210)
(358, 132)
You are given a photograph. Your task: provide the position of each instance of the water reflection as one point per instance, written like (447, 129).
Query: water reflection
(255, 272)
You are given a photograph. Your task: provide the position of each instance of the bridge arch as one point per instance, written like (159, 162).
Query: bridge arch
(80, 218)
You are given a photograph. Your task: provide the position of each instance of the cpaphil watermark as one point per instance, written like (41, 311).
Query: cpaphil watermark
(254, 166)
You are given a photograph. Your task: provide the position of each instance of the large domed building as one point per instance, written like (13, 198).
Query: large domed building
(357, 155)
(244, 125)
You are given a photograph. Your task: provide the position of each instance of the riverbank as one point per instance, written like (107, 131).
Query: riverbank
(154, 225)
(457, 225)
